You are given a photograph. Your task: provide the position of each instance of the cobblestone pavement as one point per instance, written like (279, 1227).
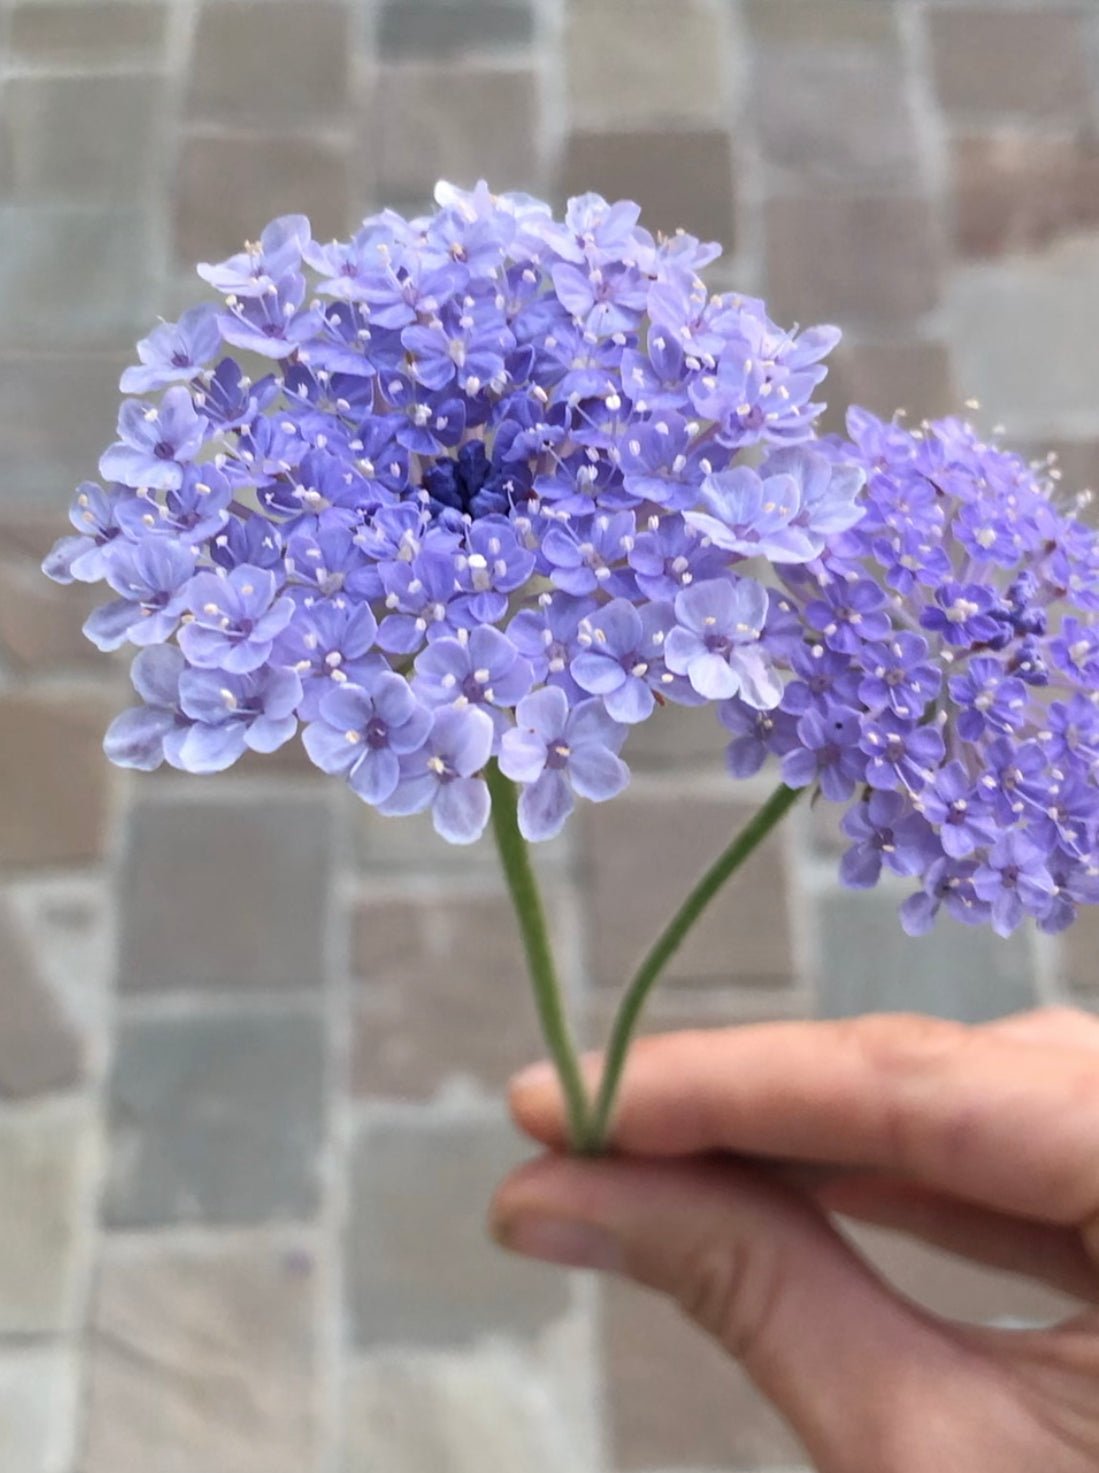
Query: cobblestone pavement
(251, 1038)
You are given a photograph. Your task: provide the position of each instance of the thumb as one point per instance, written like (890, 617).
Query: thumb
(855, 1370)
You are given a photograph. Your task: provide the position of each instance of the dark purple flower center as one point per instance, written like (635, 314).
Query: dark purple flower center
(164, 451)
(376, 734)
(180, 359)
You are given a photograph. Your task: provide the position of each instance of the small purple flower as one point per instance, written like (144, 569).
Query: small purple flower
(959, 812)
(886, 832)
(1076, 650)
(622, 657)
(947, 882)
(145, 736)
(174, 352)
(1014, 881)
(329, 645)
(989, 699)
(827, 752)
(96, 515)
(850, 613)
(583, 559)
(262, 265)
(442, 775)
(155, 442)
(901, 755)
(236, 617)
(232, 713)
(899, 676)
(962, 615)
(272, 325)
(554, 751)
(548, 637)
(716, 642)
(486, 671)
(153, 579)
(362, 732)
(756, 736)
(753, 517)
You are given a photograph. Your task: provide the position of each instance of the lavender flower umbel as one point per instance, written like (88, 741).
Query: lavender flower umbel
(466, 498)
(464, 472)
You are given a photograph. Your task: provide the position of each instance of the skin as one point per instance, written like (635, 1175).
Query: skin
(734, 1150)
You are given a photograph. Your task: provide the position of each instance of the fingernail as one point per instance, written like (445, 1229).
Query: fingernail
(559, 1240)
(535, 1076)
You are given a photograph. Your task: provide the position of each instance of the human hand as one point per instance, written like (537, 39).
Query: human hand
(733, 1148)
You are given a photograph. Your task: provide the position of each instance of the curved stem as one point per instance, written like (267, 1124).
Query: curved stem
(666, 944)
(523, 887)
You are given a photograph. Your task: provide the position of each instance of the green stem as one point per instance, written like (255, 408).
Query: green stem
(757, 829)
(521, 882)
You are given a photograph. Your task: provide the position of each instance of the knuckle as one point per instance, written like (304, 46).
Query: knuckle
(729, 1290)
(906, 1043)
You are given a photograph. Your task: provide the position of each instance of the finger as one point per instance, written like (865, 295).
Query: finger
(1052, 1255)
(1008, 1125)
(1058, 1027)
(852, 1367)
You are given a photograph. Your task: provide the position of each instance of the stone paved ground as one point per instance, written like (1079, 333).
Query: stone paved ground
(251, 1040)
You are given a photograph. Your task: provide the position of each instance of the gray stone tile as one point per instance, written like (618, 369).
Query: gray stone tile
(225, 895)
(55, 779)
(459, 1413)
(47, 1164)
(40, 1049)
(91, 138)
(646, 61)
(215, 1119)
(420, 1269)
(875, 260)
(682, 179)
(204, 1361)
(48, 448)
(73, 278)
(229, 186)
(821, 23)
(38, 1408)
(845, 120)
(1027, 61)
(270, 61)
(1017, 190)
(431, 120)
(452, 27)
(75, 32)
(912, 374)
(867, 964)
(1054, 298)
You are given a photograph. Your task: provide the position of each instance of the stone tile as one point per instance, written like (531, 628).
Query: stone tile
(867, 964)
(433, 121)
(1052, 298)
(956, 1288)
(688, 1008)
(387, 846)
(215, 1118)
(203, 1360)
(83, 138)
(73, 277)
(1017, 191)
(39, 1047)
(299, 72)
(677, 737)
(852, 260)
(38, 1406)
(1080, 951)
(674, 1399)
(48, 450)
(640, 854)
(74, 32)
(40, 622)
(54, 777)
(681, 179)
(1028, 62)
(218, 895)
(442, 994)
(846, 121)
(644, 61)
(820, 23)
(228, 187)
(420, 1269)
(458, 1413)
(447, 28)
(47, 1164)
(913, 374)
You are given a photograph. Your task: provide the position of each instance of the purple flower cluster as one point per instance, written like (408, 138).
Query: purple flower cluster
(945, 662)
(463, 487)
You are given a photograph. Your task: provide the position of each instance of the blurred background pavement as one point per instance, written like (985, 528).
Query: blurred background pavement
(252, 1039)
